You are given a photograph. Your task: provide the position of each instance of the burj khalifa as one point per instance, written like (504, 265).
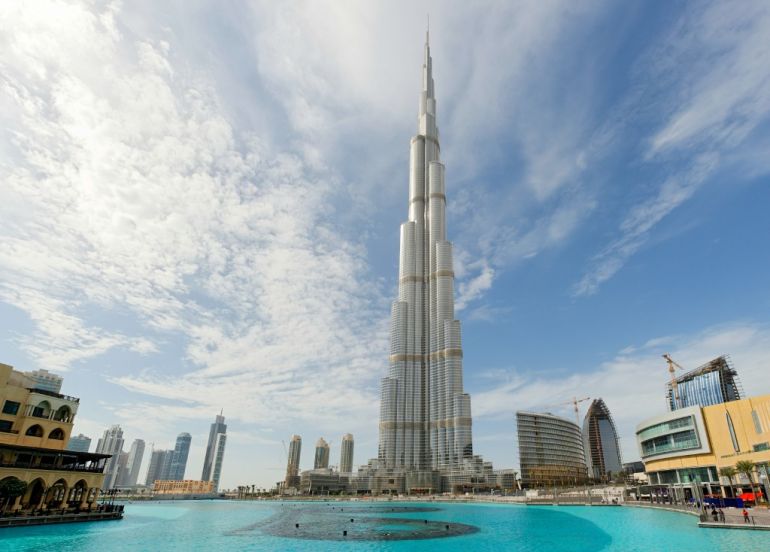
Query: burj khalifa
(425, 416)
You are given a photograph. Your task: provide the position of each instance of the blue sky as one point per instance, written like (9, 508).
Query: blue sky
(200, 206)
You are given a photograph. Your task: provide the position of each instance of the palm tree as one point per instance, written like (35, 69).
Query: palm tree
(728, 472)
(11, 488)
(746, 467)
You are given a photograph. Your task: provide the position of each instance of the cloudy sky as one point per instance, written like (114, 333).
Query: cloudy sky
(200, 202)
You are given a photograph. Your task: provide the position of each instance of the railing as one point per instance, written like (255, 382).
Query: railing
(52, 394)
(66, 467)
(29, 411)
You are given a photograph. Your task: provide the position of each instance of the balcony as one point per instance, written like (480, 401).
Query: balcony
(31, 458)
(35, 411)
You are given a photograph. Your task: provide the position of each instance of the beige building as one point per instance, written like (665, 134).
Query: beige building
(184, 487)
(35, 426)
(688, 446)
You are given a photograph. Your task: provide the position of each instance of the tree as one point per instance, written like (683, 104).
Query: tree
(746, 467)
(11, 488)
(728, 472)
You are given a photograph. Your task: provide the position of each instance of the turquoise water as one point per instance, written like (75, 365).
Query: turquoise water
(231, 525)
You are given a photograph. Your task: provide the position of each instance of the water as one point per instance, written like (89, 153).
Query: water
(256, 526)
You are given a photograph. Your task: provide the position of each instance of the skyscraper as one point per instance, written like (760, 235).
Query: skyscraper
(111, 443)
(425, 416)
(600, 441)
(81, 443)
(346, 454)
(155, 470)
(179, 457)
(321, 454)
(134, 462)
(292, 461)
(215, 451)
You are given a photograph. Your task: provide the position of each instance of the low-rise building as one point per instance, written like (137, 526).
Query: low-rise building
(184, 487)
(35, 426)
(687, 448)
(323, 481)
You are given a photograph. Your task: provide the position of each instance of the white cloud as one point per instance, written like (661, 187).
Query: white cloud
(714, 89)
(129, 192)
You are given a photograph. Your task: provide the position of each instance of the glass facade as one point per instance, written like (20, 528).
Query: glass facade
(715, 382)
(550, 450)
(666, 427)
(669, 436)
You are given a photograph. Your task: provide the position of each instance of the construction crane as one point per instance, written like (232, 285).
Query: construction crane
(574, 402)
(672, 366)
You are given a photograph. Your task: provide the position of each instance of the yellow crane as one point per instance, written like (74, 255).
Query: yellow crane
(672, 366)
(575, 401)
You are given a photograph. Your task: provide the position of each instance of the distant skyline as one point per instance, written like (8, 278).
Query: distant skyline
(201, 202)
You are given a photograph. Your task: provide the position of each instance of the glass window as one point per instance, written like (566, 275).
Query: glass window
(5, 425)
(11, 407)
(759, 447)
(757, 423)
(732, 433)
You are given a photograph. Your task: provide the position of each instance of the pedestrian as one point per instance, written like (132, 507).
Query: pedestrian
(715, 515)
(721, 515)
(745, 516)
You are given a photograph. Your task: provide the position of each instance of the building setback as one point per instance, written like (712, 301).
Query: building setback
(600, 441)
(550, 450)
(425, 437)
(346, 454)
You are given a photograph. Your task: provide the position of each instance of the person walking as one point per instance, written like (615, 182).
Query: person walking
(745, 515)
(721, 515)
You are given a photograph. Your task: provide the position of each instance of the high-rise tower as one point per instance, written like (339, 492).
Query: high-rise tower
(346, 454)
(292, 461)
(215, 451)
(111, 443)
(321, 454)
(179, 458)
(425, 417)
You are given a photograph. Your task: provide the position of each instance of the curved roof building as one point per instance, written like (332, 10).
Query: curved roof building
(600, 441)
(550, 450)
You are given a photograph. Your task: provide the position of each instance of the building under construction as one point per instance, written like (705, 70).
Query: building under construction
(713, 383)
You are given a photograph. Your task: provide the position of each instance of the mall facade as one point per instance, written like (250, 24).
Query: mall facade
(684, 449)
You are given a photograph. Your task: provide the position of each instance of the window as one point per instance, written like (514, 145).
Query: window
(35, 431)
(56, 434)
(732, 433)
(759, 447)
(757, 423)
(5, 426)
(11, 407)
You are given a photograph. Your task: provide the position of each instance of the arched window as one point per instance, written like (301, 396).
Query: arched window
(35, 431)
(56, 434)
(732, 433)
(63, 414)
